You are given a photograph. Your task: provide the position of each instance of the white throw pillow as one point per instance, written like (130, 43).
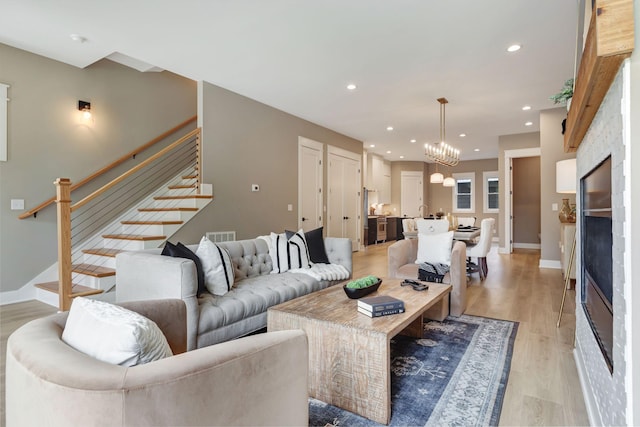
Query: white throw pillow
(216, 266)
(287, 254)
(113, 334)
(435, 248)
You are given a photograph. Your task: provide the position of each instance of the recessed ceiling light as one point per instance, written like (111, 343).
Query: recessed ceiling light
(514, 48)
(476, 149)
(402, 157)
(526, 108)
(389, 127)
(388, 152)
(351, 86)
(462, 135)
(372, 146)
(77, 38)
(413, 141)
(528, 123)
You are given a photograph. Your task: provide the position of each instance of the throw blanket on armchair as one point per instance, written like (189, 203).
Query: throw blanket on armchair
(324, 271)
(432, 272)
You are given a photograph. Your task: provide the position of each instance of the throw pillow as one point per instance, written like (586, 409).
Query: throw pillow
(287, 254)
(315, 243)
(113, 334)
(181, 251)
(435, 248)
(217, 267)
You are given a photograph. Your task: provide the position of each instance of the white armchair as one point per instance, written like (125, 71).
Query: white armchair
(50, 383)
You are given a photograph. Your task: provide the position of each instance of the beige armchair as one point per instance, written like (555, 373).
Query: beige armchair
(257, 380)
(402, 257)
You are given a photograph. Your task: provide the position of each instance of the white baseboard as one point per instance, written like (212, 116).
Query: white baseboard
(29, 292)
(503, 250)
(589, 402)
(549, 263)
(25, 293)
(527, 245)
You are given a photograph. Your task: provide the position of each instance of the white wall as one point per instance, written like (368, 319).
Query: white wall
(606, 392)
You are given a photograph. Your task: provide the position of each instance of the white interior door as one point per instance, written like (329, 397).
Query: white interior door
(310, 184)
(351, 202)
(411, 194)
(334, 197)
(344, 196)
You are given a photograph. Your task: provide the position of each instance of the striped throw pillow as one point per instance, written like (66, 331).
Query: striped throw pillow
(287, 254)
(217, 267)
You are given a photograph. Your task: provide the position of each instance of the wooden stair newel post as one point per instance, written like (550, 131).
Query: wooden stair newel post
(63, 203)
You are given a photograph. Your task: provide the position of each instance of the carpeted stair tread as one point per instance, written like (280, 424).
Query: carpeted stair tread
(93, 270)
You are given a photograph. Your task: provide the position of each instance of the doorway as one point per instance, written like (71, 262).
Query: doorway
(509, 155)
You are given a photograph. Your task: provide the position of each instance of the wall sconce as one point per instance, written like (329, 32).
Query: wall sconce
(85, 107)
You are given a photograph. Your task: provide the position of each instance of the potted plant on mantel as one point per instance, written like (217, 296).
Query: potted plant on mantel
(564, 97)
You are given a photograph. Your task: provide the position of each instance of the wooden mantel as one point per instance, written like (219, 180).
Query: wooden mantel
(609, 42)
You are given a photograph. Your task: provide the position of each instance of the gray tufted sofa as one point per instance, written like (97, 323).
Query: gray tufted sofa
(145, 275)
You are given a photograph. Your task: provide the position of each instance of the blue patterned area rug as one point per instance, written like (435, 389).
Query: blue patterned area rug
(456, 375)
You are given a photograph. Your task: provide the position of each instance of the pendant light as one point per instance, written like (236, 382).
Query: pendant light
(442, 153)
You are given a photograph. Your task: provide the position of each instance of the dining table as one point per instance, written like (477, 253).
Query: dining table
(466, 234)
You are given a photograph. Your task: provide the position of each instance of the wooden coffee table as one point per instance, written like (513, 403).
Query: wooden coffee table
(349, 352)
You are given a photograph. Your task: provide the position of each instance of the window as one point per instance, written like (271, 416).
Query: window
(491, 192)
(463, 193)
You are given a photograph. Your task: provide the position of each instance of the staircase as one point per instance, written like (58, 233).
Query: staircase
(146, 225)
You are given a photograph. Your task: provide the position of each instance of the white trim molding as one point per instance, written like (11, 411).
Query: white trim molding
(4, 121)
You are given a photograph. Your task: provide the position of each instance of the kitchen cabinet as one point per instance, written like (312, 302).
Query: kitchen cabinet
(392, 228)
(381, 179)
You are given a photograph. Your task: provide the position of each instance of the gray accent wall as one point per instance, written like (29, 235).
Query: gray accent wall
(47, 140)
(247, 142)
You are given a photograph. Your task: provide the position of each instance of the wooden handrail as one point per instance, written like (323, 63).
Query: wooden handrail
(110, 166)
(168, 148)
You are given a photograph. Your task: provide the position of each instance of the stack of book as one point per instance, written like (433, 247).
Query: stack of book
(381, 305)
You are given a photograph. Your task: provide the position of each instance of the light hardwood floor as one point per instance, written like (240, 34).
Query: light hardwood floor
(543, 386)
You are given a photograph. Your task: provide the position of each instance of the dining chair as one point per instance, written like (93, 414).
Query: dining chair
(409, 229)
(481, 249)
(432, 226)
(466, 221)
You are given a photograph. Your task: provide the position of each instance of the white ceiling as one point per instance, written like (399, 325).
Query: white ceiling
(299, 55)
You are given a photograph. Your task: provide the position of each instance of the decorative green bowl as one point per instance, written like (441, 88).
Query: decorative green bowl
(355, 293)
